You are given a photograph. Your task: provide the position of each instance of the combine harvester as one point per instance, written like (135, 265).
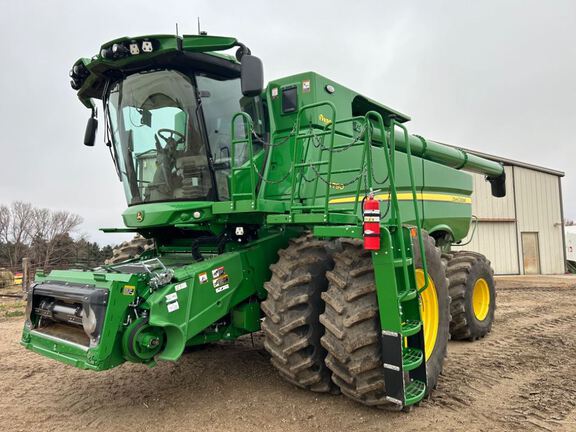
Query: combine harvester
(301, 208)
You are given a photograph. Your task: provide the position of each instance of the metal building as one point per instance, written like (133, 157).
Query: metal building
(523, 232)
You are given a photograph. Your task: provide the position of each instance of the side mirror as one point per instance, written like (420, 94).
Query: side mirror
(252, 74)
(90, 134)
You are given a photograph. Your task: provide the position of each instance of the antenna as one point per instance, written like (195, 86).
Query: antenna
(201, 32)
(176, 29)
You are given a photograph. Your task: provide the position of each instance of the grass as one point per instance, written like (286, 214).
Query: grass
(14, 313)
(12, 305)
(12, 308)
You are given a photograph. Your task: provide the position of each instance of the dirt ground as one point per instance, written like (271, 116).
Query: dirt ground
(521, 377)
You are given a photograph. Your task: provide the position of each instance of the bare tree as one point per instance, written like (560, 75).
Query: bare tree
(5, 220)
(15, 229)
(43, 230)
(50, 227)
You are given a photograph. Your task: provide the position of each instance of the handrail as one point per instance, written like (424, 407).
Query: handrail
(395, 213)
(328, 129)
(365, 158)
(394, 123)
(248, 126)
(395, 216)
(304, 109)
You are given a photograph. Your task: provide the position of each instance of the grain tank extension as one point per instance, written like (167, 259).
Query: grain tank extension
(301, 208)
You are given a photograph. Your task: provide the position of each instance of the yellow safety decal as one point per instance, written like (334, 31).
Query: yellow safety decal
(128, 290)
(407, 196)
(371, 218)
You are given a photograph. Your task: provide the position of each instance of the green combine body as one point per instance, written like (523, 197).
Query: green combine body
(253, 198)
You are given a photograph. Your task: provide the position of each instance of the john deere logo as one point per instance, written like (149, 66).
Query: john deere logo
(140, 216)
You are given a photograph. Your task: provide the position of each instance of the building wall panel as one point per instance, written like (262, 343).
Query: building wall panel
(532, 204)
(485, 206)
(497, 241)
(539, 210)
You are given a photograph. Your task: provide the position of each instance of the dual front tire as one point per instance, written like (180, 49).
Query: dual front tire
(322, 326)
(352, 322)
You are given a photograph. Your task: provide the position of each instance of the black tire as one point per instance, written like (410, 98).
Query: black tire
(292, 330)
(352, 323)
(463, 270)
(131, 249)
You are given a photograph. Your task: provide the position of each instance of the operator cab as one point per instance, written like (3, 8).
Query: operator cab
(171, 133)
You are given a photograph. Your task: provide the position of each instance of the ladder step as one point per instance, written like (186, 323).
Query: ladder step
(315, 134)
(411, 358)
(343, 171)
(348, 145)
(408, 295)
(414, 392)
(309, 164)
(308, 207)
(411, 327)
(399, 263)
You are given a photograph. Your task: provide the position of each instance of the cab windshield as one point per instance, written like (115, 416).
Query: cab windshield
(158, 129)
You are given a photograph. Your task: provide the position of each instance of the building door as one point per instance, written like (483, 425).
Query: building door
(531, 253)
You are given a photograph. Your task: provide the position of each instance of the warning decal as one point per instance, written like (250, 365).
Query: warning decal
(203, 277)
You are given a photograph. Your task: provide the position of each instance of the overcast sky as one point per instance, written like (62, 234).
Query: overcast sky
(498, 76)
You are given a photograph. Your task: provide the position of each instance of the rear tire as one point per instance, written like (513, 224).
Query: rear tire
(131, 249)
(292, 328)
(352, 323)
(466, 271)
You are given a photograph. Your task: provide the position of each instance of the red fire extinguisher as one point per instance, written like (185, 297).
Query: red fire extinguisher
(371, 213)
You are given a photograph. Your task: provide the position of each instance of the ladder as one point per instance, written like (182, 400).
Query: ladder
(402, 338)
(313, 207)
(301, 164)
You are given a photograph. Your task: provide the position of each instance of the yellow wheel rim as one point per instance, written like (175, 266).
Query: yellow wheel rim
(429, 313)
(481, 299)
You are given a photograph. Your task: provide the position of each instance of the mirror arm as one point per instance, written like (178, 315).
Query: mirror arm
(93, 108)
(242, 51)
